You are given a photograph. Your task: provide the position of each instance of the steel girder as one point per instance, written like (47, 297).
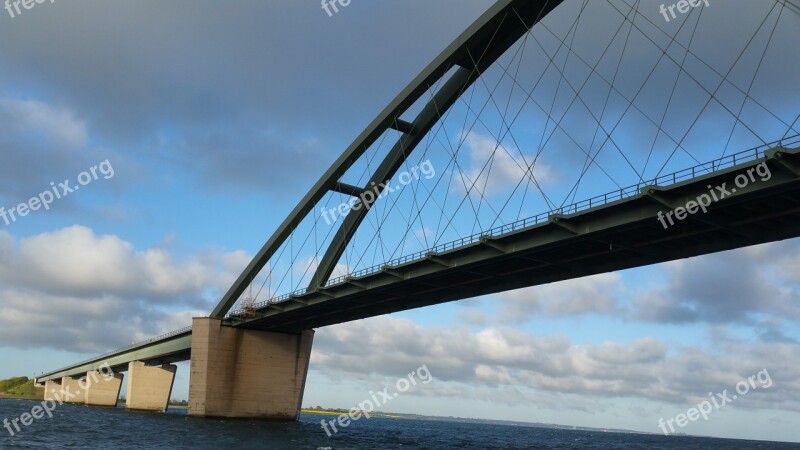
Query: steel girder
(470, 54)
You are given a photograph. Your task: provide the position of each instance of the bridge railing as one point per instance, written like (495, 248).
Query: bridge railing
(706, 168)
(136, 345)
(733, 160)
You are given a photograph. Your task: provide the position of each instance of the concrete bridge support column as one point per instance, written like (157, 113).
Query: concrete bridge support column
(243, 373)
(149, 387)
(72, 390)
(52, 390)
(102, 389)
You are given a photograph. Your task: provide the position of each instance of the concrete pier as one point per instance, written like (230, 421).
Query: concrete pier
(242, 373)
(72, 390)
(149, 387)
(52, 390)
(102, 389)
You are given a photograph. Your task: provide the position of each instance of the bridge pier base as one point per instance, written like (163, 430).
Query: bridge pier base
(103, 389)
(71, 390)
(240, 373)
(52, 390)
(149, 387)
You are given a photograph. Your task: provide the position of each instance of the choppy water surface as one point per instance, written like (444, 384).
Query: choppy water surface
(81, 427)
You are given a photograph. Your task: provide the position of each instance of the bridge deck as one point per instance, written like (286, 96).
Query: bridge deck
(169, 348)
(615, 236)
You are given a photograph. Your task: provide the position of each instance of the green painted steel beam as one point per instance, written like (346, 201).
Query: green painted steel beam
(621, 234)
(475, 49)
(618, 235)
(173, 349)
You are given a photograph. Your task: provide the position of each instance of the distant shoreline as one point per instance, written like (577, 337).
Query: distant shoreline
(40, 398)
(20, 388)
(390, 415)
(334, 412)
(21, 397)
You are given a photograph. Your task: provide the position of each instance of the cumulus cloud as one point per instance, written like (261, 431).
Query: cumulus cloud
(596, 294)
(754, 286)
(238, 114)
(473, 316)
(76, 261)
(495, 168)
(502, 358)
(41, 142)
(36, 118)
(305, 268)
(735, 286)
(74, 289)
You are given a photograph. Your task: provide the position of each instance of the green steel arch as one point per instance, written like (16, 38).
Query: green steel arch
(462, 62)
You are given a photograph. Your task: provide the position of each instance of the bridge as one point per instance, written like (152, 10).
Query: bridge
(250, 358)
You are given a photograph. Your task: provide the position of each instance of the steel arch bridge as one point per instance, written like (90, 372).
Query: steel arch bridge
(445, 80)
(620, 229)
(459, 66)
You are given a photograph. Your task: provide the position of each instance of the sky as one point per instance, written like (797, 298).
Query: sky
(188, 130)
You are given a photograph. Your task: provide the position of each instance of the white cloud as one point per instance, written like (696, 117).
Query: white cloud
(506, 169)
(594, 294)
(60, 126)
(305, 268)
(736, 286)
(504, 358)
(72, 289)
(754, 286)
(75, 260)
